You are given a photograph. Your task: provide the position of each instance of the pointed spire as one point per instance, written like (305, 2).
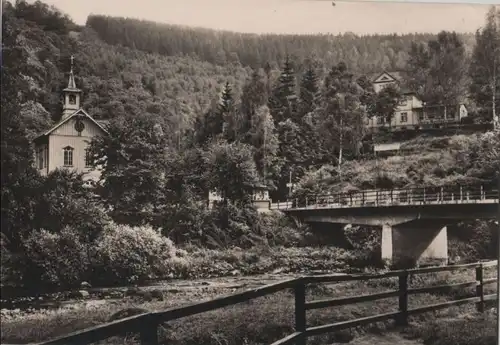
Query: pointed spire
(71, 81)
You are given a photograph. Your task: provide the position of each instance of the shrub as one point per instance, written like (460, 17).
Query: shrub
(473, 241)
(132, 254)
(279, 230)
(11, 266)
(366, 243)
(56, 259)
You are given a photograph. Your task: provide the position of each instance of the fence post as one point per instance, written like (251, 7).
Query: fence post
(402, 319)
(479, 288)
(300, 311)
(306, 201)
(149, 330)
(461, 194)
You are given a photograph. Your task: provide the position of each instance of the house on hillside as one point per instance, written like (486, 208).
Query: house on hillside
(65, 144)
(412, 113)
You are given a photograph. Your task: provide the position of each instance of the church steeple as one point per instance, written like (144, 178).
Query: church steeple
(72, 95)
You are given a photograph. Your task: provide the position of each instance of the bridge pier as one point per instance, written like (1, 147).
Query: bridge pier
(415, 243)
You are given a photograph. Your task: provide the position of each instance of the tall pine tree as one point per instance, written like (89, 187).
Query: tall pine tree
(227, 112)
(283, 100)
(254, 95)
(309, 91)
(485, 68)
(308, 101)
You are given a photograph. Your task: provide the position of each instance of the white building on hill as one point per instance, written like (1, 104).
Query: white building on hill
(412, 113)
(65, 144)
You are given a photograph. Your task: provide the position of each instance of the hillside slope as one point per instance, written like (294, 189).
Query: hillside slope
(428, 161)
(363, 54)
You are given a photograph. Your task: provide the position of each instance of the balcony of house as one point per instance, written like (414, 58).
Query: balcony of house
(439, 116)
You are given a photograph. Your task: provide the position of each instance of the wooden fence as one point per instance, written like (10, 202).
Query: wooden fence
(147, 324)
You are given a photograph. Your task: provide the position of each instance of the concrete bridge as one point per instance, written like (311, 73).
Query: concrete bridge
(413, 221)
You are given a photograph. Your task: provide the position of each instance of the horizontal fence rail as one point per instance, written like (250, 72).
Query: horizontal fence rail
(394, 197)
(146, 325)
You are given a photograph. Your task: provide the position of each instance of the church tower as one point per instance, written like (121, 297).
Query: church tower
(72, 95)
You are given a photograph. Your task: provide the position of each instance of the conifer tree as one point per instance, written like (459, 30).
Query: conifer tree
(309, 91)
(309, 99)
(227, 113)
(283, 100)
(485, 68)
(208, 126)
(254, 95)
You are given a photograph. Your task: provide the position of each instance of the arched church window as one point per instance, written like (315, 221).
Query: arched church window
(72, 99)
(68, 156)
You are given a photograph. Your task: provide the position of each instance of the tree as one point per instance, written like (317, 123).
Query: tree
(227, 112)
(309, 92)
(19, 179)
(485, 67)
(208, 126)
(254, 95)
(437, 71)
(291, 152)
(386, 103)
(230, 170)
(340, 115)
(264, 140)
(132, 157)
(283, 100)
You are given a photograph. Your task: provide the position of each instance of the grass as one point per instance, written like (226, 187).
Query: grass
(266, 319)
(477, 329)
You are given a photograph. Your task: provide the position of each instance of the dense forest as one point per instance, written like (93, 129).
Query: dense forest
(185, 118)
(362, 54)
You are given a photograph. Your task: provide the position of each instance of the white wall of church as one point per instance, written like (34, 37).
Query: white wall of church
(66, 135)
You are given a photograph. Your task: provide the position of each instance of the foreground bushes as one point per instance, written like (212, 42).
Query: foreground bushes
(56, 259)
(125, 253)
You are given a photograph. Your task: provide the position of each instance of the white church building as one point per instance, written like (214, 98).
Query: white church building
(65, 144)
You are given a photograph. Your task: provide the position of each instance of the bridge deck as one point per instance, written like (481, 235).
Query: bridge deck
(446, 195)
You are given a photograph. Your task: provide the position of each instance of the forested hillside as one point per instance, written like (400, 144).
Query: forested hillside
(363, 54)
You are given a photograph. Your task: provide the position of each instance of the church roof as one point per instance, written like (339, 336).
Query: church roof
(79, 112)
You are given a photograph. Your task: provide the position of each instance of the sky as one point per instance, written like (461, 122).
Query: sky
(290, 16)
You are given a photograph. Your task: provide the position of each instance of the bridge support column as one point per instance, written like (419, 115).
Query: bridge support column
(415, 243)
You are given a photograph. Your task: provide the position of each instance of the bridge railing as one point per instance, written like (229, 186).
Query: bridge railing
(147, 324)
(408, 196)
